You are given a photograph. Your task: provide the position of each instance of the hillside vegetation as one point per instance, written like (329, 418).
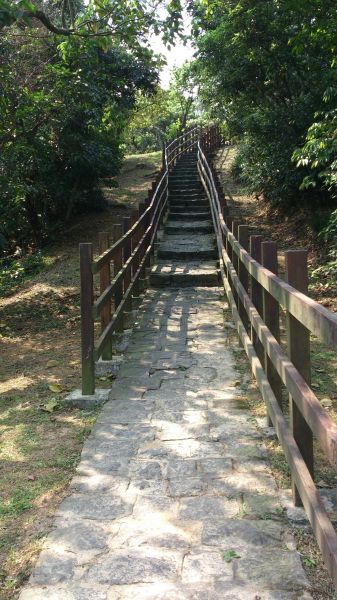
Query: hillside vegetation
(268, 70)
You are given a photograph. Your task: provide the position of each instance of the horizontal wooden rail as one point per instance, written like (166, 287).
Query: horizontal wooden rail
(122, 267)
(321, 322)
(235, 263)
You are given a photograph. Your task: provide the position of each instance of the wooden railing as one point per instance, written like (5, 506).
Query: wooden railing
(255, 293)
(125, 256)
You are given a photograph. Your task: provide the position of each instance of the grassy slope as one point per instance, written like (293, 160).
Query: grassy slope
(39, 327)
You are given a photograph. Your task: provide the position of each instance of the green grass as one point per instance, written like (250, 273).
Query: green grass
(15, 272)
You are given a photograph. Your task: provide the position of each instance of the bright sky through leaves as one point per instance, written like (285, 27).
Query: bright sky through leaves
(176, 56)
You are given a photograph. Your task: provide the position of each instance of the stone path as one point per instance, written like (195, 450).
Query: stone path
(173, 498)
(187, 254)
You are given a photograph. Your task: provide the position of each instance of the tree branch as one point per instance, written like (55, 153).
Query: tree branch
(42, 17)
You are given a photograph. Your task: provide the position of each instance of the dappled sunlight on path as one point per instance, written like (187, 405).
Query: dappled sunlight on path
(173, 497)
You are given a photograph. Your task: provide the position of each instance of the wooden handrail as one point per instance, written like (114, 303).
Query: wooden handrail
(315, 318)
(321, 322)
(122, 266)
(106, 295)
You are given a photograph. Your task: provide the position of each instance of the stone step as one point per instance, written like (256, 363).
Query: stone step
(180, 255)
(186, 200)
(184, 184)
(188, 164)
(186, 216)
(186, 246)
(190, 194)
(185, 171)
(184, 177)
(185, 227)
(178, 195)
(188, 157)
(185, 168)
(180, 167)
(177, 274)
(198, 206)
(188, 191)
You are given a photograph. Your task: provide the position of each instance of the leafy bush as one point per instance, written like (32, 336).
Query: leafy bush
(64, 107)
(264, 67)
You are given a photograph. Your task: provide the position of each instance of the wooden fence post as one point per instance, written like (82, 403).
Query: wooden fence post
(271, 317)
(299, 353)
(235, 258)
(243, 231)
(118, 263)
(104, 282)
(87, 323)
(127, 223)
(229, 223)
(256, 294)
(163, 156)
(134, 243)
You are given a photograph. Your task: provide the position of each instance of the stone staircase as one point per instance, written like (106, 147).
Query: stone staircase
(187, 253)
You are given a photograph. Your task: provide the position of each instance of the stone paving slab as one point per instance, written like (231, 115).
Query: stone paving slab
(172, 477)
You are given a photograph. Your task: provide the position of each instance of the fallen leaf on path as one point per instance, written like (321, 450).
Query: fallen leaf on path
(55, 387)
(51, 405)
(229, 555)
(52, 363)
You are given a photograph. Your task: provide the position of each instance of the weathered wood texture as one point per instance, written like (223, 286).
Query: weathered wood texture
(271, 365)
(299, 353)
(87, 324)
(271, 317)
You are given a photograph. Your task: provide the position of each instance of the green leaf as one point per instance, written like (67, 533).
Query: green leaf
(51, 405)
(52, 363)
(56, 388)
(229, 555)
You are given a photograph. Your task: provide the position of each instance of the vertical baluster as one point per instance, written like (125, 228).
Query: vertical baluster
(128, 272)
(87, 323)
(271, 317)
(235, 259)
(256, 294)
(299, 353)
(229, 250)
(243, 232)
(118, 264)
(104, 282)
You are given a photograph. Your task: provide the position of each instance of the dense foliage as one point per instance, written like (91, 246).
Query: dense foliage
(127, 22)
(63, 110)
(266, 67)
(69, 78)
